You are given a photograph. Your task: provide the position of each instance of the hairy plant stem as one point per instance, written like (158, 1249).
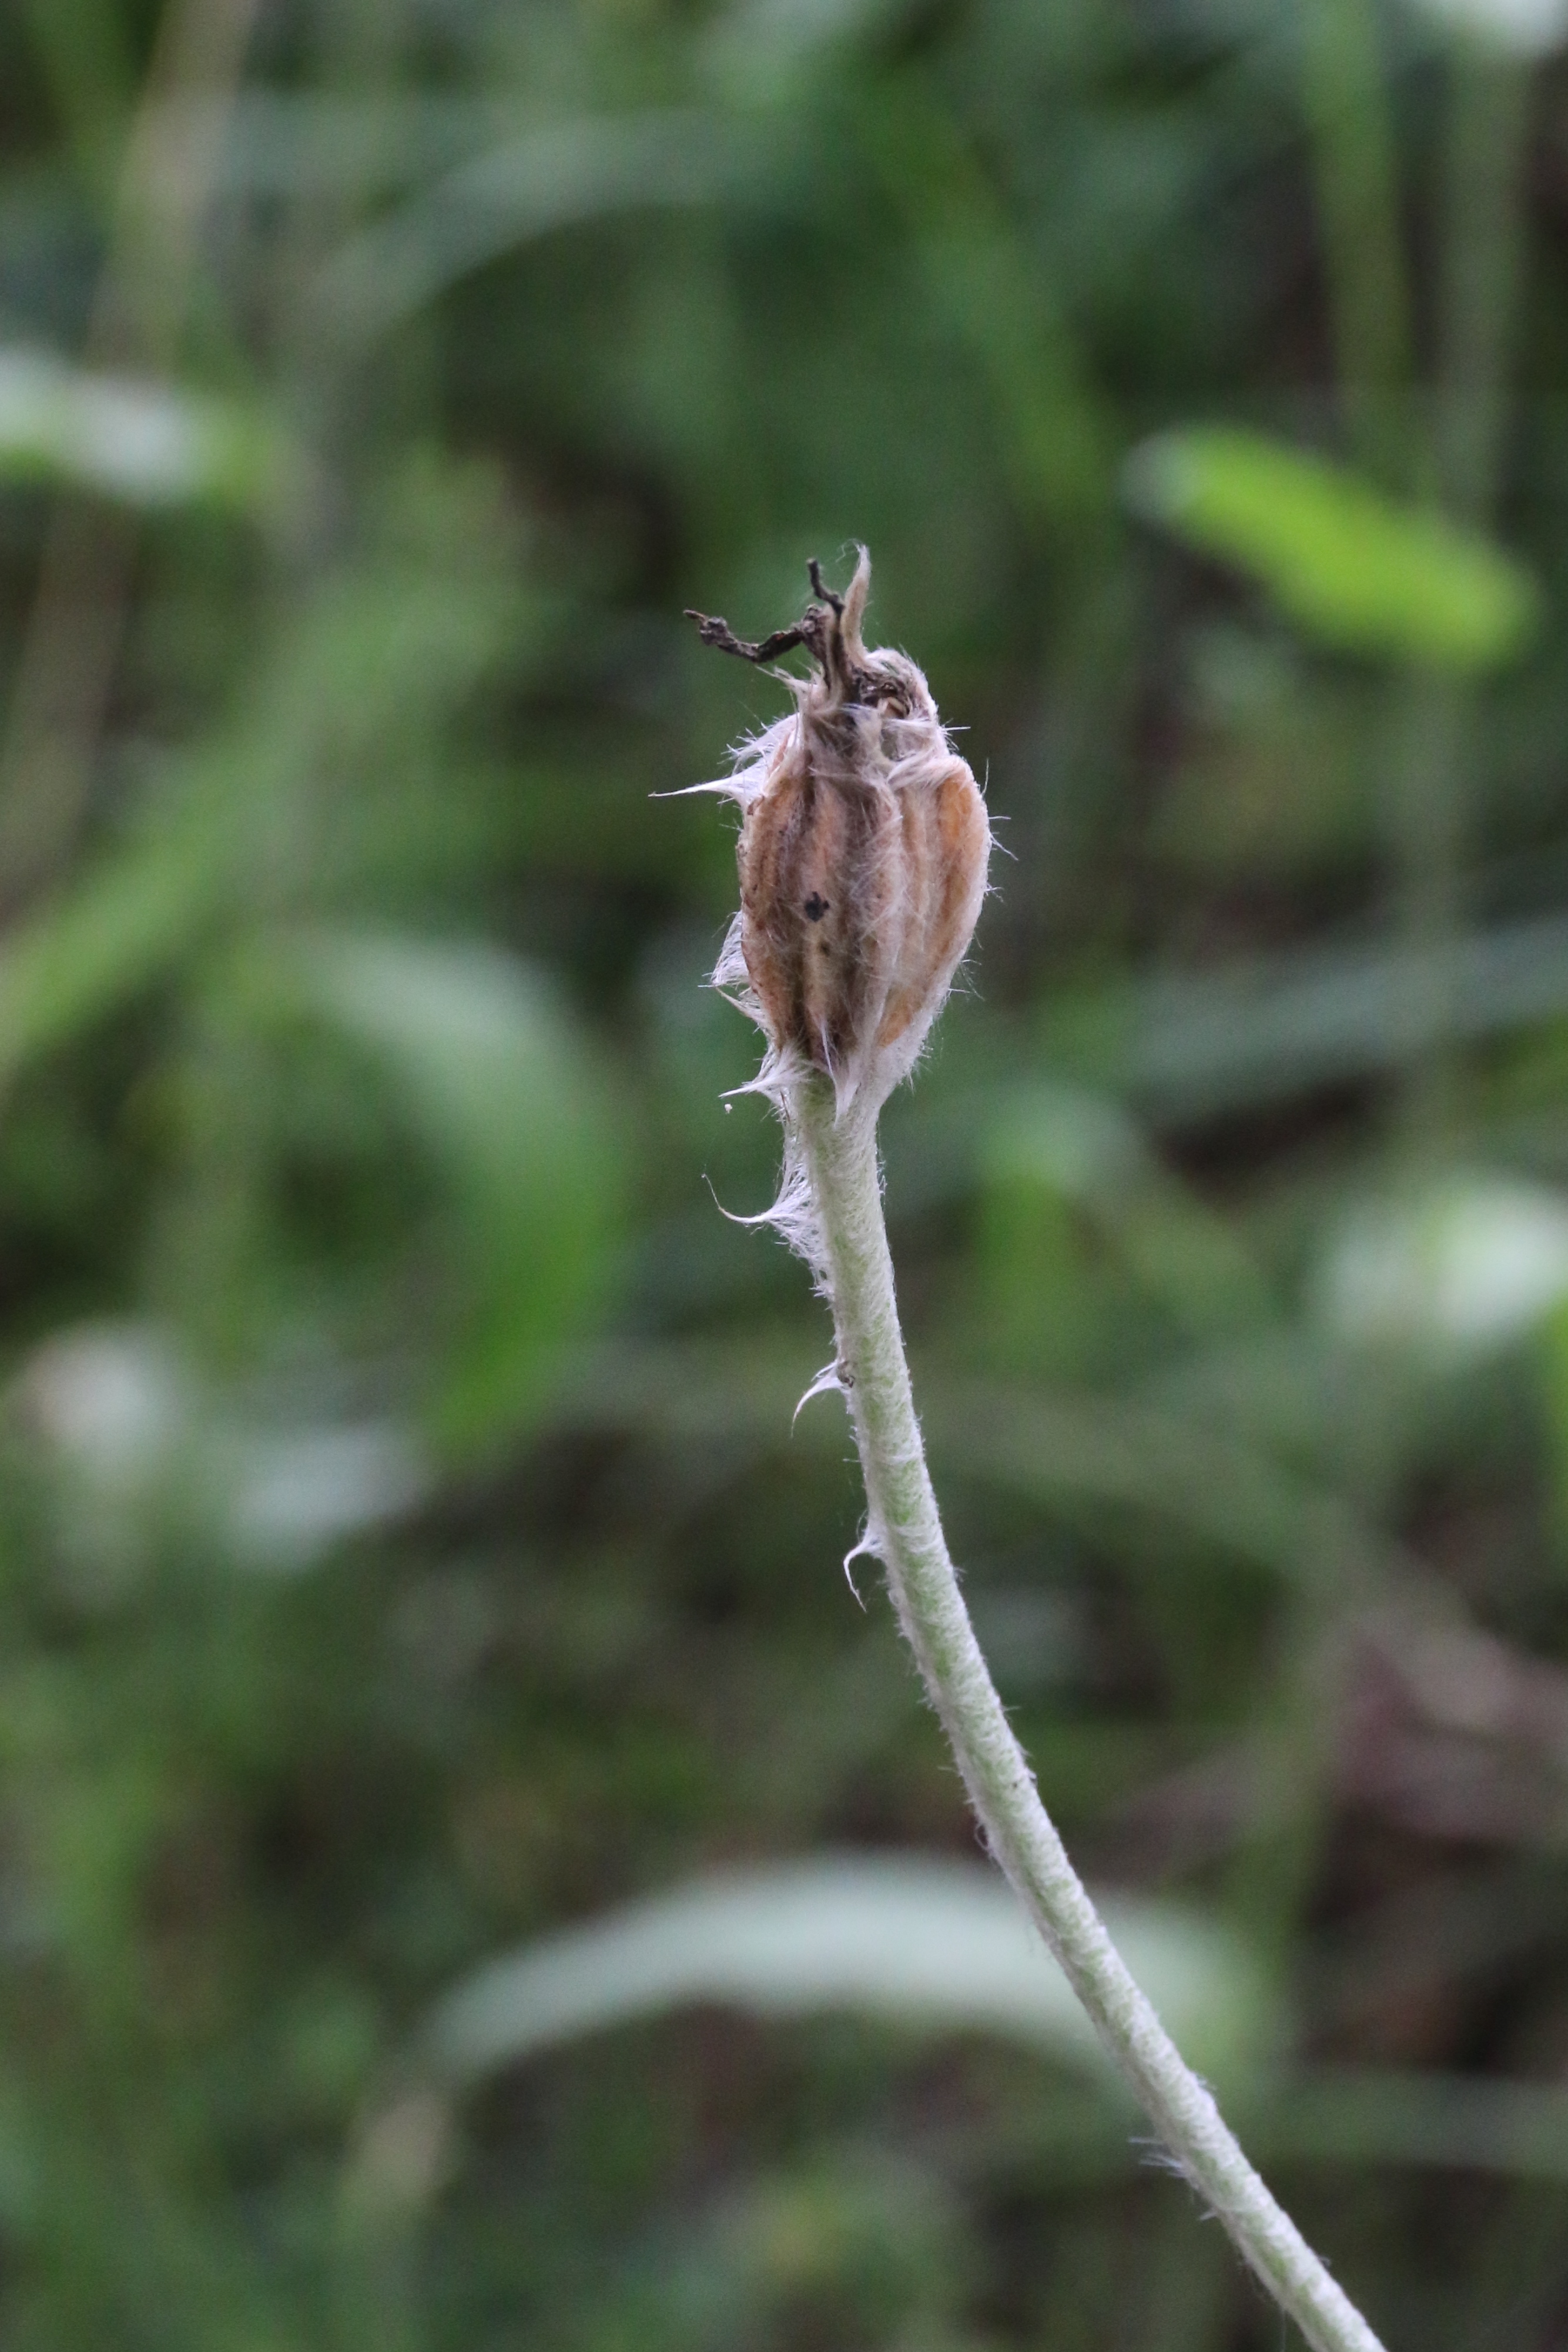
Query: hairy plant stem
(839, 1158)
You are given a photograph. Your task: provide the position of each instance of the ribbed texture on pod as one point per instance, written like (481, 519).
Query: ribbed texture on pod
(863, 858)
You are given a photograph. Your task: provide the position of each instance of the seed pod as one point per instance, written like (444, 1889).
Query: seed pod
(862, 855)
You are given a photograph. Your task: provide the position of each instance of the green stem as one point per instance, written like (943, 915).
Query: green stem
(840, 1160)
(1346, 103)
(1483, 254)
(1483, 259)
(1426, 819)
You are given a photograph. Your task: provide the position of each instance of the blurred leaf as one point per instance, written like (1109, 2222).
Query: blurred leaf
(930, 1944)
(136, 1439)
(502, 1091)
(146, 444)
(1521, 29)
(293, 1494)
(1350, 566)
(1048, 1145)
(1465, 1267)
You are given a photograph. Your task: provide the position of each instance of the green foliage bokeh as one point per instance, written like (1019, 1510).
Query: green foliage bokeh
(405, 1553)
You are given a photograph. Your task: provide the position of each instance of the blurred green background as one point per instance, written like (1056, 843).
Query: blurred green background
(470, 1874)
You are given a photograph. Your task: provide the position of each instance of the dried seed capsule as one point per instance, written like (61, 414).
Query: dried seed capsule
(862, 855)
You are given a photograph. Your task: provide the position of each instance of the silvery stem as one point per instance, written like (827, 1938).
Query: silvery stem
(905, 1530)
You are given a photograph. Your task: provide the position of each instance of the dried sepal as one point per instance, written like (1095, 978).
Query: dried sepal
(863, 857)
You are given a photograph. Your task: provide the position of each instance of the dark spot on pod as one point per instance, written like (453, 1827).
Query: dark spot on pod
(816, 908)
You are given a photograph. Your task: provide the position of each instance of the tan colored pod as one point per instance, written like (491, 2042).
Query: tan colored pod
(863, 855)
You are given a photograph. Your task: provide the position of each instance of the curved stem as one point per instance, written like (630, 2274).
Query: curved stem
(840, 1162)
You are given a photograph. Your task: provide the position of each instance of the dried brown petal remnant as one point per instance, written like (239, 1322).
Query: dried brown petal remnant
(863, 854)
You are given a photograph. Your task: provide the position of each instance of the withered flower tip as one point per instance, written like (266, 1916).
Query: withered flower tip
(863, 855)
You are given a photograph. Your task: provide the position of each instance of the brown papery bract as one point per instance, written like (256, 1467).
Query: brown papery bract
(863, 857)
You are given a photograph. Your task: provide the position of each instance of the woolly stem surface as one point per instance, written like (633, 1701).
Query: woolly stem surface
(839, 1158)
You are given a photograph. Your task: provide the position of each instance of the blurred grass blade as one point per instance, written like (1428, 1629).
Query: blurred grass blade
(1354, 569)
(116, 930)
(1191, 1045)
(1466, 2123)
(772, 52)
(315, 143)
(499, 1089)
(1350, 2119)
(570, 171)
(932, 1944)
(142, 443)
(1075, 1454)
